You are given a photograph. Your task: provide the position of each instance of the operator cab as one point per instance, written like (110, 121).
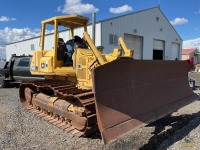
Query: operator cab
(56, 56)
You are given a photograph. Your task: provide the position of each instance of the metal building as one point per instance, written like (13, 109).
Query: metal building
(148, 32)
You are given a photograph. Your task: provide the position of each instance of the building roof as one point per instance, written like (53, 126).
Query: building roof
(188, 51)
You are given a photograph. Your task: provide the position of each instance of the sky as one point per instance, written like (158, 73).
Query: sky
(21, 19)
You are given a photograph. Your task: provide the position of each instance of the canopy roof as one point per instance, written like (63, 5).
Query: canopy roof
(70, 21)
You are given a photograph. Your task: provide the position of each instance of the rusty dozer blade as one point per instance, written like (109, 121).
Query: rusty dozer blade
(132, 93)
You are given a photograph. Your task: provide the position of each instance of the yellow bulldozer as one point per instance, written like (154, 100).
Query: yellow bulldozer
(86, 91)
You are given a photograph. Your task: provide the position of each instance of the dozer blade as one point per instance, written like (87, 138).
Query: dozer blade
(133, 93)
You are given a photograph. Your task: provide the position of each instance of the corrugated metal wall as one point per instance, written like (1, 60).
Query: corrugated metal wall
(24, 47)
(21, 48)
(150, 24)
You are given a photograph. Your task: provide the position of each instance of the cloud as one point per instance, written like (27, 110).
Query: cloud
(4, 18)
(179, 21)
(9, 35)
(194, 43)
(2, 48)
(2, 52)
(121, 9)
(77, 7)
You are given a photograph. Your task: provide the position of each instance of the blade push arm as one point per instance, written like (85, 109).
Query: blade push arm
(94, 49)
(127, 52)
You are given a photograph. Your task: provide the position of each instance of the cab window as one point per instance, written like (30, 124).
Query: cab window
(24, 62)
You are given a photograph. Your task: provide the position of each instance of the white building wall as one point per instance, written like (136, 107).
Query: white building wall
(142, 23)
(24, 47)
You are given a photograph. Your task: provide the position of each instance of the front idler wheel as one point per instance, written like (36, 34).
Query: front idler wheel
(29, 95)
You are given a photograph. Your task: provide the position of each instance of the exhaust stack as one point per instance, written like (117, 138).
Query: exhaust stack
(93, 26)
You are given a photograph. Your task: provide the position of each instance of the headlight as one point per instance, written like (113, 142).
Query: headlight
(42, 65)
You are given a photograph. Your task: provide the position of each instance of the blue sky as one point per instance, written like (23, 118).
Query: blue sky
(20, 19)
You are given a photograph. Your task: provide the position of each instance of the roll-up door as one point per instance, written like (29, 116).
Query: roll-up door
(135, 43)
(175, 51)
(158, 49)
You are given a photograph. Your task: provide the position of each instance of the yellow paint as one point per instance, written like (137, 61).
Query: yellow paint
(85, 59)
(71, 108)
(46, 64)
(52, 100)
(127, 52)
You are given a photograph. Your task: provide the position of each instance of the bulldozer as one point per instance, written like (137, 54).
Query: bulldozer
(86, 91)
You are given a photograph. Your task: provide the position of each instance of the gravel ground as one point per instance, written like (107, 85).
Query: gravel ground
(21, 130)
(196, 76)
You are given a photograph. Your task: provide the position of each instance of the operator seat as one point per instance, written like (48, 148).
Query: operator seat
(79, 42)
(61, 49)
(71, 45)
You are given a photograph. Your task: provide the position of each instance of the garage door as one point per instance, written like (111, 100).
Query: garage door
(175, 50)
(135, 43)
(158, 49)
(158, 44)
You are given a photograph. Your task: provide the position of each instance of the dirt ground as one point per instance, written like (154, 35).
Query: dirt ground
(19, 129)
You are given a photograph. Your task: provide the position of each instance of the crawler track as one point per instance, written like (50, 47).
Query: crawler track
(75, 123)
